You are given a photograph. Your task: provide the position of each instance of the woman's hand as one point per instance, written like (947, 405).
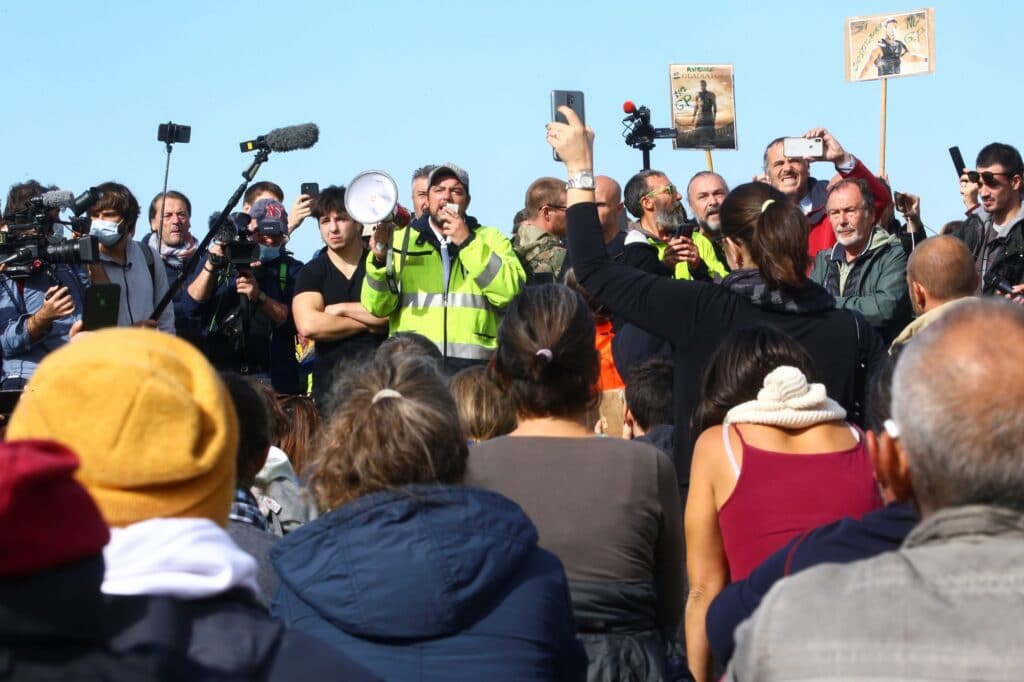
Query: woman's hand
(573, 142)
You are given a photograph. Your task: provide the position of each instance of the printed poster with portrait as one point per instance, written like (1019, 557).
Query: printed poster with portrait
(703, 106)
(890, 45)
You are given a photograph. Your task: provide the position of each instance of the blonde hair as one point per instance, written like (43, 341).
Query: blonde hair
(484, 411)
(365, 446)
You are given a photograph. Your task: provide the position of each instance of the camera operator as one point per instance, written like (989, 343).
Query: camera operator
(37, 311)
(255, 336)
(123, 262)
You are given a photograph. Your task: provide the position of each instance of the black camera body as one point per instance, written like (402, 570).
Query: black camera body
(24, 254)
(241, 247)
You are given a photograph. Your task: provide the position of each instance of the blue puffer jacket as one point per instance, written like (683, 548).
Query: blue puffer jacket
(431, 583)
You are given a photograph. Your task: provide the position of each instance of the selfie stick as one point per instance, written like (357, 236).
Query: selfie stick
(168, 133)
(278, 140)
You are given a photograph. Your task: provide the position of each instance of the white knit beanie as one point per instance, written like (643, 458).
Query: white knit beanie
(786, 399)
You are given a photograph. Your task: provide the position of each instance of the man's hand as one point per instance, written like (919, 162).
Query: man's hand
(681, 250)
(573, 142)
(301, 209)
(57, 304)
(832, 150)
(380, 241)
(909, 205)
(968, 191)
(145, 324)
(246, 285)
(453, 226)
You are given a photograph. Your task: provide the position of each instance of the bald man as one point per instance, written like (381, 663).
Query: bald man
(608, 197)
(940, 275)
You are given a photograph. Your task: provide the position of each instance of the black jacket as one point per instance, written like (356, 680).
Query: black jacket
(51, 629)
(695, 317)
(230, 633)
(1006, 260)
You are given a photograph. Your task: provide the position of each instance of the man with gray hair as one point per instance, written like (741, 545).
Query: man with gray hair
(705, 193)
(946, 605)
(420, 198)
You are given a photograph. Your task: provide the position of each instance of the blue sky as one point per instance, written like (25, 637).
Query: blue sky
(395, 85)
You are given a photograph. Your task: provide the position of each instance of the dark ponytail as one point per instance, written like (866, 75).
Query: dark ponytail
(774, 231)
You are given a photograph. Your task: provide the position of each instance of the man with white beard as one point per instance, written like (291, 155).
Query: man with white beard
(705, 193)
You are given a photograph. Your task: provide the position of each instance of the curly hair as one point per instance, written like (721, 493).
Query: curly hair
(373, 441)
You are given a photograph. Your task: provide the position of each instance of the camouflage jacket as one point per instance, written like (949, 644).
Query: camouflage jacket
(541, 253)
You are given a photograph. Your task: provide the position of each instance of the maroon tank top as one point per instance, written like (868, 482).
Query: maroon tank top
(779, 495)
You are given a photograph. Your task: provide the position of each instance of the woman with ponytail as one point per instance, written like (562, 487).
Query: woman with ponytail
(608, 508)
(765, 241)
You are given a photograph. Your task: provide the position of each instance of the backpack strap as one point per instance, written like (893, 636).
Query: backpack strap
(147, 254)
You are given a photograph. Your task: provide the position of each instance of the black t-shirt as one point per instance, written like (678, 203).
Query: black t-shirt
(321, 275)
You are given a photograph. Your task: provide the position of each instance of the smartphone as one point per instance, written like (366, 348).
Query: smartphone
(687, 229)
(570, 98)
(802, 147)
(173, 132)
(310, 189)
(102, 304)
(958, 161)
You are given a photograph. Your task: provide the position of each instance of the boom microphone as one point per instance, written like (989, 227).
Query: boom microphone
(57, 198)
(285, 139)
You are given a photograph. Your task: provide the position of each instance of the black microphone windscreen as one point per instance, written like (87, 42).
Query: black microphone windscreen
(293, 137)
(57, 199)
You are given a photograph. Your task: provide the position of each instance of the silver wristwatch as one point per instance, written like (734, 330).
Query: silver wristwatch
(581, 180)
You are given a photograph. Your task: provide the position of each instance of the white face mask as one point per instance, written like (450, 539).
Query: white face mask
(106, 232)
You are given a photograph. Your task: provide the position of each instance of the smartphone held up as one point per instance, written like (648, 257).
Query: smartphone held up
(569, 98)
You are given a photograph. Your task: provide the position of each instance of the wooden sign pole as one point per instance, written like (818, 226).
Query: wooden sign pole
(881, 162)
(711, 164)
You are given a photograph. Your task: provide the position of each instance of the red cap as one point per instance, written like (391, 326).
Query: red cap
(46, 517)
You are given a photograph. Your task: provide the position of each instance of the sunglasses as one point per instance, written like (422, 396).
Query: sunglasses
(987, 178)
(671, 189)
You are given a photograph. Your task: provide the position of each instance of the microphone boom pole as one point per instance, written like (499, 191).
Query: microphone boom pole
(280, 139)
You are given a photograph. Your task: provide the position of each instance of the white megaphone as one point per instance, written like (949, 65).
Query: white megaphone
(372, 197)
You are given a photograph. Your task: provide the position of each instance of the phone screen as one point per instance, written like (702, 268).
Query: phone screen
(102, 304)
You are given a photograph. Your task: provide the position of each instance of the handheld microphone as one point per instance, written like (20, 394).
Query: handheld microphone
(285, 139)
(56, 199)
(993, 281)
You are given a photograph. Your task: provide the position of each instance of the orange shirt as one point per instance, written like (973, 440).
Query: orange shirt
(609, 378)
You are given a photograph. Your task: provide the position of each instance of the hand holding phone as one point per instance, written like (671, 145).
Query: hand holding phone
(569, 98)
(310, 189)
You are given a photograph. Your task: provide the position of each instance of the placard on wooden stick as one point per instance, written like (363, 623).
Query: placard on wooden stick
(890, 45)
(703, 101)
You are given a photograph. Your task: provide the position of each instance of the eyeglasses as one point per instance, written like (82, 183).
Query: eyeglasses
(557, 207)
(987, 178)
(670, 189)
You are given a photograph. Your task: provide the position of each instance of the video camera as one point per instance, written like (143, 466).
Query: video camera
(242, 246)
(31, 244)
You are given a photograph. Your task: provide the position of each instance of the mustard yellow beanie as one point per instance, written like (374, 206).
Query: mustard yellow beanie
(153, 425)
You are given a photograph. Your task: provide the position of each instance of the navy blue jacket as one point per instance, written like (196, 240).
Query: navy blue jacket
(431, 582)
(839, 542)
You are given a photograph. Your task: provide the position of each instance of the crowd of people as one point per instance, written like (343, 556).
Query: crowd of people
(598, 449)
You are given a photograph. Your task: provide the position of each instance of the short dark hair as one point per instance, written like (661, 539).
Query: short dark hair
(259, 188)
(116, 197)
(546, 359)
(255, 427)
(20, 193)
(330, 200)
(410, 343)
(636, 188)
(171, 194)
(649, 392)
(1005, 155)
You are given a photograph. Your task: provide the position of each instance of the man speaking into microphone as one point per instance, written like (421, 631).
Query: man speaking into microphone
(449, 277)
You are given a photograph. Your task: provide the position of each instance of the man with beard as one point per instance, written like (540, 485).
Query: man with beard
(170, 218)
(420, 198)
(655, 245)
(450, 277)
(791, 176)
(706, 192)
